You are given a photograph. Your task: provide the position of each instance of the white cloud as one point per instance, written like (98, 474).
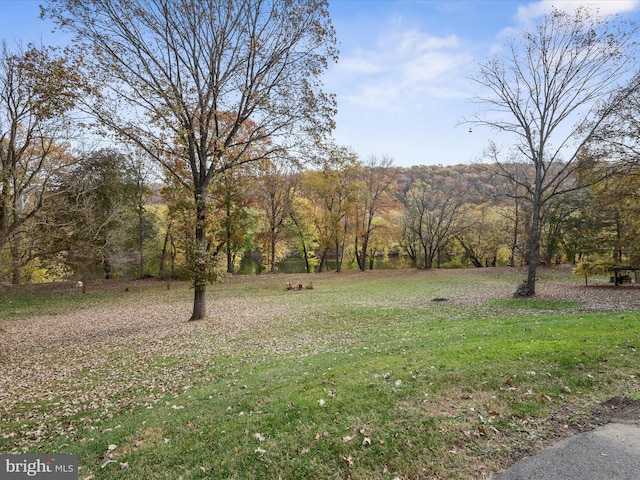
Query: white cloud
(355, 65)
(429, 67)
(401, 67)
(375, 95)
(416, 42)
(535, 10)
(527, 15)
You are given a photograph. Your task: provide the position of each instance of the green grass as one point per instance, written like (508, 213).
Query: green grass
(55, 299)
(19, 305)
(370, 379)
(534, 304)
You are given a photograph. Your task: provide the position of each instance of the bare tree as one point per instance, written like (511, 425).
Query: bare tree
(277, 191)
(434, 209)
(377, 178)
(182, 78)
(552, 91)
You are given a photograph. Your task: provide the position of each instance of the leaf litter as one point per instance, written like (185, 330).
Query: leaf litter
(101, 360)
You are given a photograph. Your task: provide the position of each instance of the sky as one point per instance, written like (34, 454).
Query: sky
(402, 81)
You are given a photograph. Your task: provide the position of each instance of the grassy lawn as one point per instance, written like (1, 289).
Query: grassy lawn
(362, 377)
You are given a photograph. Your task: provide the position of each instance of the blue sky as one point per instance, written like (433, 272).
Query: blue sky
(403, 77)
(402, 82)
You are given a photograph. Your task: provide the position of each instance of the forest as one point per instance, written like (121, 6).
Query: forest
(106, 215)
(141, 154)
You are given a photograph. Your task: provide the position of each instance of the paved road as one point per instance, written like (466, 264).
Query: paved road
(611, 452)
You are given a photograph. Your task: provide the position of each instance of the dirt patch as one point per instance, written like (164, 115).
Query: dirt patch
(619, 410)
(570, 420)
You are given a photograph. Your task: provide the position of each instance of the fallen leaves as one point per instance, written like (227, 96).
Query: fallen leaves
(101, 360)
(108, 457)
(118, 358)
(349, 460)
(357, 432)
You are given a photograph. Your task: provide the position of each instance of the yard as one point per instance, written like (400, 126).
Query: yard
(387, 374)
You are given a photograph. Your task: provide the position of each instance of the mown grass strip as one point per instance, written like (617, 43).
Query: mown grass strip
(418, 398)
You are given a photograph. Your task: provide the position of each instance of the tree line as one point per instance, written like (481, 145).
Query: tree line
(110, 216)
(224, 101)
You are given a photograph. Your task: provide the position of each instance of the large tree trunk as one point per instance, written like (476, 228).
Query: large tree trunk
(163, 253)
(230, 258)
(228, 227)
(528, 287)
(106, 266)
(273, 251)
(16, 260)
(200, 260)
(356, 250)
(365, 245)
(323, 261)
(516, 226)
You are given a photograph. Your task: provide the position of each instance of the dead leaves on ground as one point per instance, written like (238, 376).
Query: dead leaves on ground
(64, 372)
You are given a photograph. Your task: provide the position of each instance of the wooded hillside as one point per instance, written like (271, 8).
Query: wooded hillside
(111, 219)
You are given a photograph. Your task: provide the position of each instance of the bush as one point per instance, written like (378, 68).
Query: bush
(598, 267)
